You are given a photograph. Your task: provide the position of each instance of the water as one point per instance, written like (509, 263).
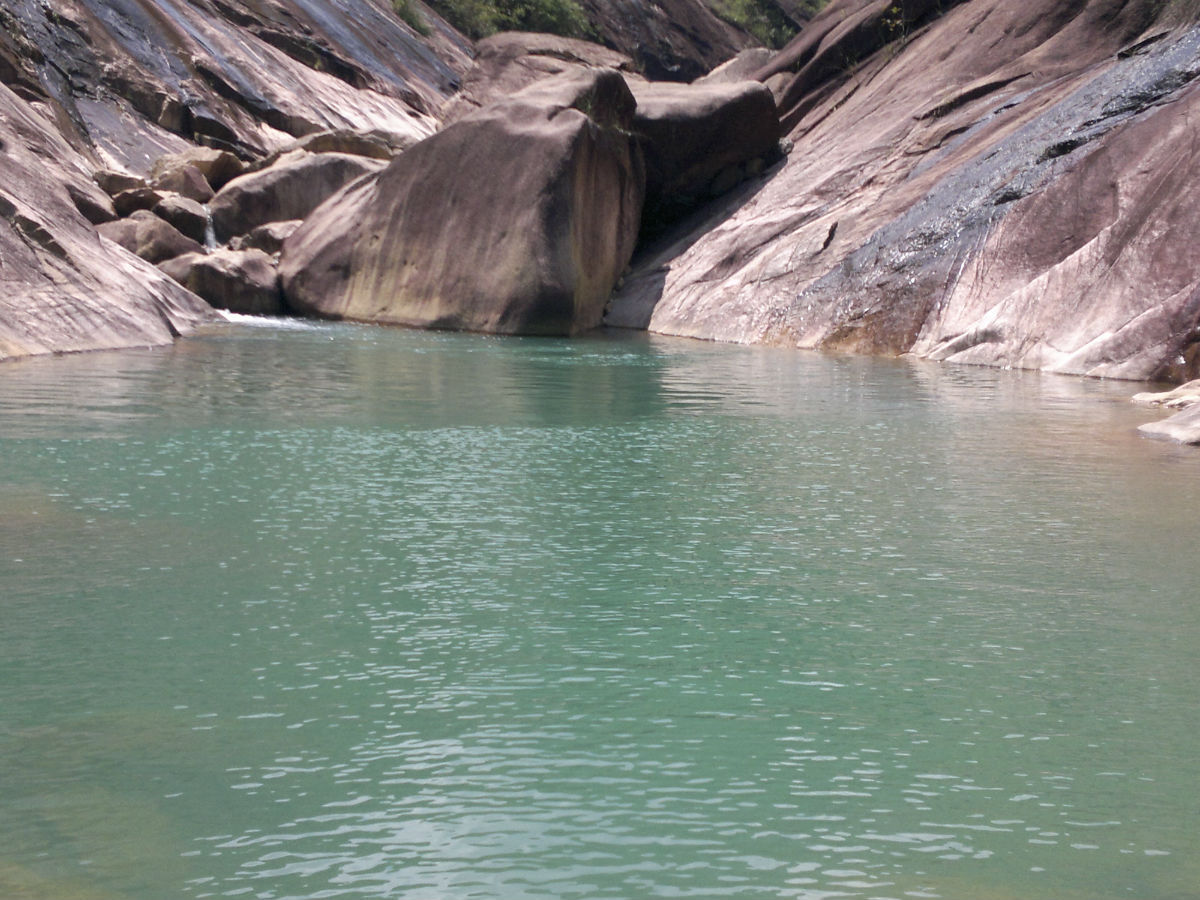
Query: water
(326, 611)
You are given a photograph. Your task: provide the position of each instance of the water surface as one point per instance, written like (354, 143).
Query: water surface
(326, 611)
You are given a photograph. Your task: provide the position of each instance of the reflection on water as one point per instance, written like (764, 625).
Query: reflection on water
(339, 611)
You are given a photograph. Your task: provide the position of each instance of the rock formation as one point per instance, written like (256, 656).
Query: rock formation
(973, 181)
(63, 287)
(981, 182)
(517, 219)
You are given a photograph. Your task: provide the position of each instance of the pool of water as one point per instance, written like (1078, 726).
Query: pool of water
(325, 611)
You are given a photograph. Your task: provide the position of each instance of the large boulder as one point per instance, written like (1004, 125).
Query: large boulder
(241, 281)
(700, 140)
(293, 187)
(518, 219)
(151, 238)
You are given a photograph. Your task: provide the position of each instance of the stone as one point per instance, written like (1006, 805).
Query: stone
(982, 182)
(186, 216)
(217, 167)
(114, 181)
(517, 219)
(130, 201)
(513, 60)
(1183, 427)
(1179, 398)
(150, 237)
(94, 204)
(375, 144)
(701, 140)
(293, 187)
(268, 238)
(241, 281)
(185, 180)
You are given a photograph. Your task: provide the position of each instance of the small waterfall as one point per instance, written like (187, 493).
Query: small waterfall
(210, 234)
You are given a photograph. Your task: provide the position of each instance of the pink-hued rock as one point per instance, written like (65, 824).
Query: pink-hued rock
(517, 219)
(984, 182)
(62, 286)
(241, 281)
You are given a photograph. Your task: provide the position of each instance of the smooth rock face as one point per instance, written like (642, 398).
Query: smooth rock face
(62, 286)
(293, 187)
(515, 220)
(151, 238)
(1001, 184)
(242, 281)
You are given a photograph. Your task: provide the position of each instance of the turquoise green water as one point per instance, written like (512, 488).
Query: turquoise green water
(321, 612)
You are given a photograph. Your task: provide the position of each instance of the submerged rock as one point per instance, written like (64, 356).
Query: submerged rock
(517, 219)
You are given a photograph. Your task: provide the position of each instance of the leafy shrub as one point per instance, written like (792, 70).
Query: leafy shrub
(479, 18)
(404, 9)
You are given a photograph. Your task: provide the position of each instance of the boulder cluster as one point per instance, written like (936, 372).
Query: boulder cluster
(518, 217)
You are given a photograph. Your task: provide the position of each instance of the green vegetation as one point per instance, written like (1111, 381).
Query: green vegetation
(479, 18)
(766, 19)
(404, 9)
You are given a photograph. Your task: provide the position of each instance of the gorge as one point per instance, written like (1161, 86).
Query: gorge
(974, 182)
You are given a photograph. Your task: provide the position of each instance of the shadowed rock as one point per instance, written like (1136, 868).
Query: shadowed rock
(187, 181)
(513, 60)
(518, 220)
(293, 187)
(268, 238)
(701, 140)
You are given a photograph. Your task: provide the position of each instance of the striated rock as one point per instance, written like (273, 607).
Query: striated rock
(151, 238)
(137, 79)
(268, 238)
(517, 219)
(242, 281)
(293, 187)
(992, 183)
(187, 216)
(62, 286)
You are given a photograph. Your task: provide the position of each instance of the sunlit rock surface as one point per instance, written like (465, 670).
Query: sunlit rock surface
(62, 286)
(985, 182)
(517, 219)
